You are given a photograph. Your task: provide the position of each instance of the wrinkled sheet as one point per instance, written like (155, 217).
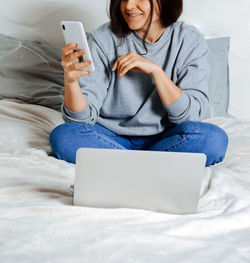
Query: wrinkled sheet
(39, 224)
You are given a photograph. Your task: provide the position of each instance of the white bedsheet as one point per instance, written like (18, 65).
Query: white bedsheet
(39, 224)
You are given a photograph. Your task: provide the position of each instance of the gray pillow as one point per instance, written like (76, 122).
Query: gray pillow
(218, 82)
(31, 71)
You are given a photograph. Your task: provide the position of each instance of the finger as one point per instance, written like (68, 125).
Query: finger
(65, 54)
(123, 59)
(75, 55)
(67, 61)
(125, 69)
(84, 73)
(74, 75)
(69, 46)
(119, 60)
(77, 66)
(123, 63)
(114, 66)
(67, 49)
(117, 63)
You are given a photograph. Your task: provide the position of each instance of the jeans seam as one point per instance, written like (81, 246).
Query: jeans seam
(186, 138)
(106, 139)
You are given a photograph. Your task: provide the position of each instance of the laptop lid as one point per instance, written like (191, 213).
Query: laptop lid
(159, 181)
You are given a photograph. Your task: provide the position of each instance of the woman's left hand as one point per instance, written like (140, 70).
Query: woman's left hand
(134, 62)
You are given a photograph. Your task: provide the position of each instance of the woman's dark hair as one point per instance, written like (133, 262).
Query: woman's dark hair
(170, 11)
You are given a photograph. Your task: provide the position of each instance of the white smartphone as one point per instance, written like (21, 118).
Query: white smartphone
(74, 32)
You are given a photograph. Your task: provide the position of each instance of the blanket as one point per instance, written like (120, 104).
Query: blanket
(39, 224)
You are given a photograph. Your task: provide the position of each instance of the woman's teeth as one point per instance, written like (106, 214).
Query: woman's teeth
(133, 15)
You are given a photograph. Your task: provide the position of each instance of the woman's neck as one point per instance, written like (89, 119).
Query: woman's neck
(154, 34)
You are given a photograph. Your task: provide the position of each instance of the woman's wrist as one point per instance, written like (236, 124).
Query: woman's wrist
(166, 88)
(156, 71)
(71, 84)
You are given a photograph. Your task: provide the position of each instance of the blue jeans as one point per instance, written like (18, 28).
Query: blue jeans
(195, 137)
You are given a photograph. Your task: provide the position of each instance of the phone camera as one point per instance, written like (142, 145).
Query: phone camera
(63, 27)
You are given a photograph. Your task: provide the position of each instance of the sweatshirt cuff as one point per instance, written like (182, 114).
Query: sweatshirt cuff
(81, 115)
(179, 107)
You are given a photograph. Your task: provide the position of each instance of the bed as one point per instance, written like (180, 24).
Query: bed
(37, 220)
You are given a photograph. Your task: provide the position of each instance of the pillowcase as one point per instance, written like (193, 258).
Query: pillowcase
(31, 71)
(218, 83)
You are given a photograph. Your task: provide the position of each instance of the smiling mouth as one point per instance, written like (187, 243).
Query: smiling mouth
(133, 15)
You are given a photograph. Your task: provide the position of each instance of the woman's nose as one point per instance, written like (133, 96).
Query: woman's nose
(130, 4)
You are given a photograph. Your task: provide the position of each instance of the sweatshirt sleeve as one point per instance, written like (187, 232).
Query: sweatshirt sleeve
(93, 86)
(192, 77)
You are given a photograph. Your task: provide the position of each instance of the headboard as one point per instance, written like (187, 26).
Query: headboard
(39, 20)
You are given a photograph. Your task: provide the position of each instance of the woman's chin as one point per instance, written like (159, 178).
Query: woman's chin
(134, 26)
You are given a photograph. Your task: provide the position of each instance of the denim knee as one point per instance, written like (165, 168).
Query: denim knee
(56, 137)
(63, 140)
(67, 138)
(208, 138)
(218, 142)
(56, 133)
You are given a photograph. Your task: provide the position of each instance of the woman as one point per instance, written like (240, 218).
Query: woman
(149, 90)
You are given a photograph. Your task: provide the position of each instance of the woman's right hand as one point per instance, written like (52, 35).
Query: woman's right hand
(72, 71)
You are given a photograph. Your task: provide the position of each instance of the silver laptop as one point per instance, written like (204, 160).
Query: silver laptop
(166, 182)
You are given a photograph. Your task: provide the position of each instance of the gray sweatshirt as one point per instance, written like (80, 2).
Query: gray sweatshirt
(131, 105)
